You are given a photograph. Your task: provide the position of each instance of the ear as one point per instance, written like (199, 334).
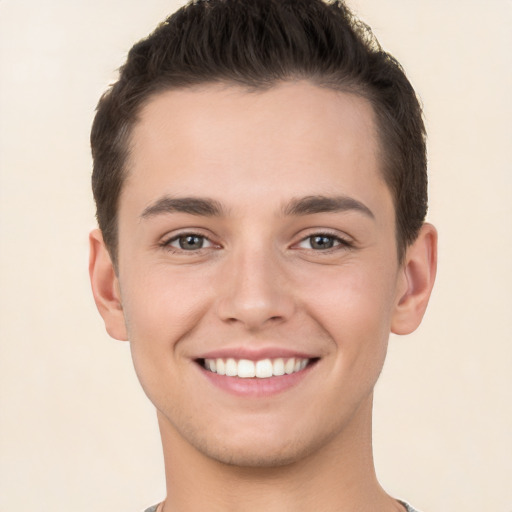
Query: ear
(418, 274)
(105, 287)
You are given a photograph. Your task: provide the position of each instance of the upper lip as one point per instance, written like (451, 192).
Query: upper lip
(255, 354)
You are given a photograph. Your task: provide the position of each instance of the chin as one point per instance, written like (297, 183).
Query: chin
(264, 448)
(257, 456)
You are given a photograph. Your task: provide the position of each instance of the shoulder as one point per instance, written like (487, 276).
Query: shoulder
(408, 507)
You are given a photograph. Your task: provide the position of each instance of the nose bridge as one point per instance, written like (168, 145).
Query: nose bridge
(254, 290)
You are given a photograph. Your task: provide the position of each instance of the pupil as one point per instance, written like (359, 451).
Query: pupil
(189, 242)
(322, 242)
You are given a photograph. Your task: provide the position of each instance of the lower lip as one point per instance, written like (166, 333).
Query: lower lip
(255, 387)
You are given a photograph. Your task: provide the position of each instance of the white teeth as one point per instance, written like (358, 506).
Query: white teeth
(262, 369)
(288, 366)
(246, 369)
(231, 368)
(221, 367)
(278, 367)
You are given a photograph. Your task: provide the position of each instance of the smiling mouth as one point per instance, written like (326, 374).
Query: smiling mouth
(261, 369)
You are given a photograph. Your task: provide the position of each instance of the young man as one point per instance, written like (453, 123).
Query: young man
(260, 181)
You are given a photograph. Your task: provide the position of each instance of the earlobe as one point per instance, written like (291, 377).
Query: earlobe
(105, 287)
(419, 272)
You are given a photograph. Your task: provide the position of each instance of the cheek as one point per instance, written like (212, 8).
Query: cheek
(354, 307)
(357, 297)
(161, 308)
(161, 312)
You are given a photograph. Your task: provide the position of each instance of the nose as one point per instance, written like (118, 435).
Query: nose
(255, 291)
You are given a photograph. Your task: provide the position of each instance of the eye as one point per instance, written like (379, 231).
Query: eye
(322, 242)
(188, 242)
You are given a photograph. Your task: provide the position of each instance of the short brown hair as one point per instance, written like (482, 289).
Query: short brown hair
(258, 44)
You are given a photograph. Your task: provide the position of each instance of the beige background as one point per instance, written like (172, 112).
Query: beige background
(77, 433)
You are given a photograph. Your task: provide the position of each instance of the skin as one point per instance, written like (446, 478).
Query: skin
(260, 283)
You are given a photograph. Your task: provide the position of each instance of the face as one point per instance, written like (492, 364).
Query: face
(257, 239)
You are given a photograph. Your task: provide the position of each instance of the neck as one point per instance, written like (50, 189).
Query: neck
(338, 476)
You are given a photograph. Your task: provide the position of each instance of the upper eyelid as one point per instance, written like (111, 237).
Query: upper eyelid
(337, 238)
(169, 237)
(177, 237)
(343, 241)
(167, 244)
(325, 232)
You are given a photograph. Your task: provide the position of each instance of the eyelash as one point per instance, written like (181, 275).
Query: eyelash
(166, 244)
(339, 243)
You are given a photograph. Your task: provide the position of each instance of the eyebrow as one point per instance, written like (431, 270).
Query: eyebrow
(203, 207)
(310, 205)
(206, 207)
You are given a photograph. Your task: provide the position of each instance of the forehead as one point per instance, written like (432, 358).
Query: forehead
(230, 141)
